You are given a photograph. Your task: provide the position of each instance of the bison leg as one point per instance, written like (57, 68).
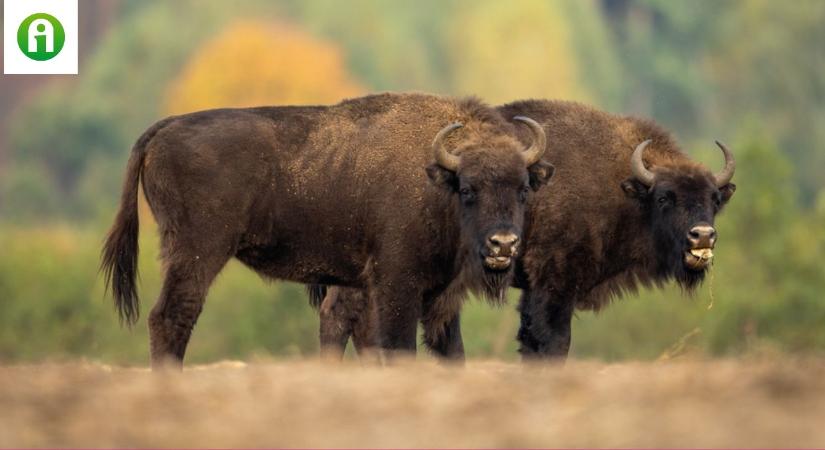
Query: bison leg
(444, 339)
(364, 323)
(334, 337)
(179, 305)
(545, 326)
(335, 325)
(442, 326)
(399, 309)
(347, 314)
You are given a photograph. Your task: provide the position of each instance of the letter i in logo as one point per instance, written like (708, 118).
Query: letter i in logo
(41, 37)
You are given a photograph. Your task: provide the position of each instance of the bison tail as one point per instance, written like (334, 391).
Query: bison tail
(120, 252)
(316, 292)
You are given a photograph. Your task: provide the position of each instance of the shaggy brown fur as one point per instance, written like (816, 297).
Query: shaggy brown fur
(321, 194)
(598, 233)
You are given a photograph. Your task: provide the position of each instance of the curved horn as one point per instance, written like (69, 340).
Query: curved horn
(638, 166)
(444, 158)
(533, 154)
(722, 178)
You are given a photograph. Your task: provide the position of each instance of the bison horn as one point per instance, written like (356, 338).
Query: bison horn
(444, 158)
(533, 154)
(722, 178)
(638, 166)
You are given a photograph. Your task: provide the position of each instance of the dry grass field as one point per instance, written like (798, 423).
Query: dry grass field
(705, 403)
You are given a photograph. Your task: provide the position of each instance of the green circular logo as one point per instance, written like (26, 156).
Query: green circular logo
(41, 37)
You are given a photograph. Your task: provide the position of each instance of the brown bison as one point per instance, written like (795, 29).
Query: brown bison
(328, 194)
(628, 209)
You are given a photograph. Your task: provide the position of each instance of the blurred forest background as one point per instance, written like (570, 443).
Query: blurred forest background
(749, 73)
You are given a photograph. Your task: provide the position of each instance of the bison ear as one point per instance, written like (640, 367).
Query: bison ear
(540, 174)
(727, 192)
(634, 188)
(442, 177)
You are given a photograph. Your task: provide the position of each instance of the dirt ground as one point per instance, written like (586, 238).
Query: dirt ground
(704, 403)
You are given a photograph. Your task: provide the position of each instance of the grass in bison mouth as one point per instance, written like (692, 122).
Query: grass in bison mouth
(497, 263)
(698, 258)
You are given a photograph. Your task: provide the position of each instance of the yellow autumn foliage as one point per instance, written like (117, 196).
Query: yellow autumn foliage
(253, 63)
(503, 52)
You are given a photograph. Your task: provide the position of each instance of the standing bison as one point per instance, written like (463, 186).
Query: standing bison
(328, 194)
(628, 209)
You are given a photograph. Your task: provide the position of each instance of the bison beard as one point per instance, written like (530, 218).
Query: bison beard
(489, 284)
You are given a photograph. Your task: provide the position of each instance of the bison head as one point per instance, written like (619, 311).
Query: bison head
(681, 201)
(492, 179)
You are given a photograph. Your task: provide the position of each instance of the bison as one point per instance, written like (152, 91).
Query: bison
(328, 194)
(628, 208)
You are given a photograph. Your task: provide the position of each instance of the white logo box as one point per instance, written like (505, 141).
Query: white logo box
(14, 61)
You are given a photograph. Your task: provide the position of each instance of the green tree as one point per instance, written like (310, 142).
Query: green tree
(766, 62)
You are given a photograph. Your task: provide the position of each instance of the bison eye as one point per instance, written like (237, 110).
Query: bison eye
(663, 200)
(467, 194)
(523, 192)
(717, 200)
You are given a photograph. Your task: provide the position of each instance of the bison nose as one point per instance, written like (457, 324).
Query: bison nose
(702, 236)
(504, 244)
